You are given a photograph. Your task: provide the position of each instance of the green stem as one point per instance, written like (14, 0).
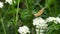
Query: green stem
(28, 5)
(2, 19)
(17, 12)
(6, 13)
(3, 26)
(16, 19)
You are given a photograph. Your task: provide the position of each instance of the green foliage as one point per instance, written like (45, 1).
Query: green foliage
(11, 17)
(53, 29)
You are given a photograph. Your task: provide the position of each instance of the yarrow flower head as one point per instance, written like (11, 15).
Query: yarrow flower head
(50, 19)
(23, 30)
(57, 20)
(39, 21)
(54, 19)
(10, 2)
(40, 24)
(1, 4)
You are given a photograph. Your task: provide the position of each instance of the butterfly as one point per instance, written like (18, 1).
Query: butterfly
(40, 12)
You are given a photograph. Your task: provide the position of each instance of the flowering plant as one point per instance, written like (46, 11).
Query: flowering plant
(29, 17)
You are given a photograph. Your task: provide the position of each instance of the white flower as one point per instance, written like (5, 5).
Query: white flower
(37, 29)
(50, 19)
(43, 25)
(1, 4)
(40, 24)
(10, 2)
(38, 21)
(41, 31)
(57, 20)
(23, 29)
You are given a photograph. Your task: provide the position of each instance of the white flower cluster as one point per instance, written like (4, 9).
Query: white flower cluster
(40, 25)
(38, 22)
(41, 22)
(23, 30)
(55, 20)
(6, 1)
(1, 4)
(10, 2)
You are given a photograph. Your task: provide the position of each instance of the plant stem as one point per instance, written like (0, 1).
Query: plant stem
(17, 12)
(28, 5)
(15, 23)
(3, 26)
